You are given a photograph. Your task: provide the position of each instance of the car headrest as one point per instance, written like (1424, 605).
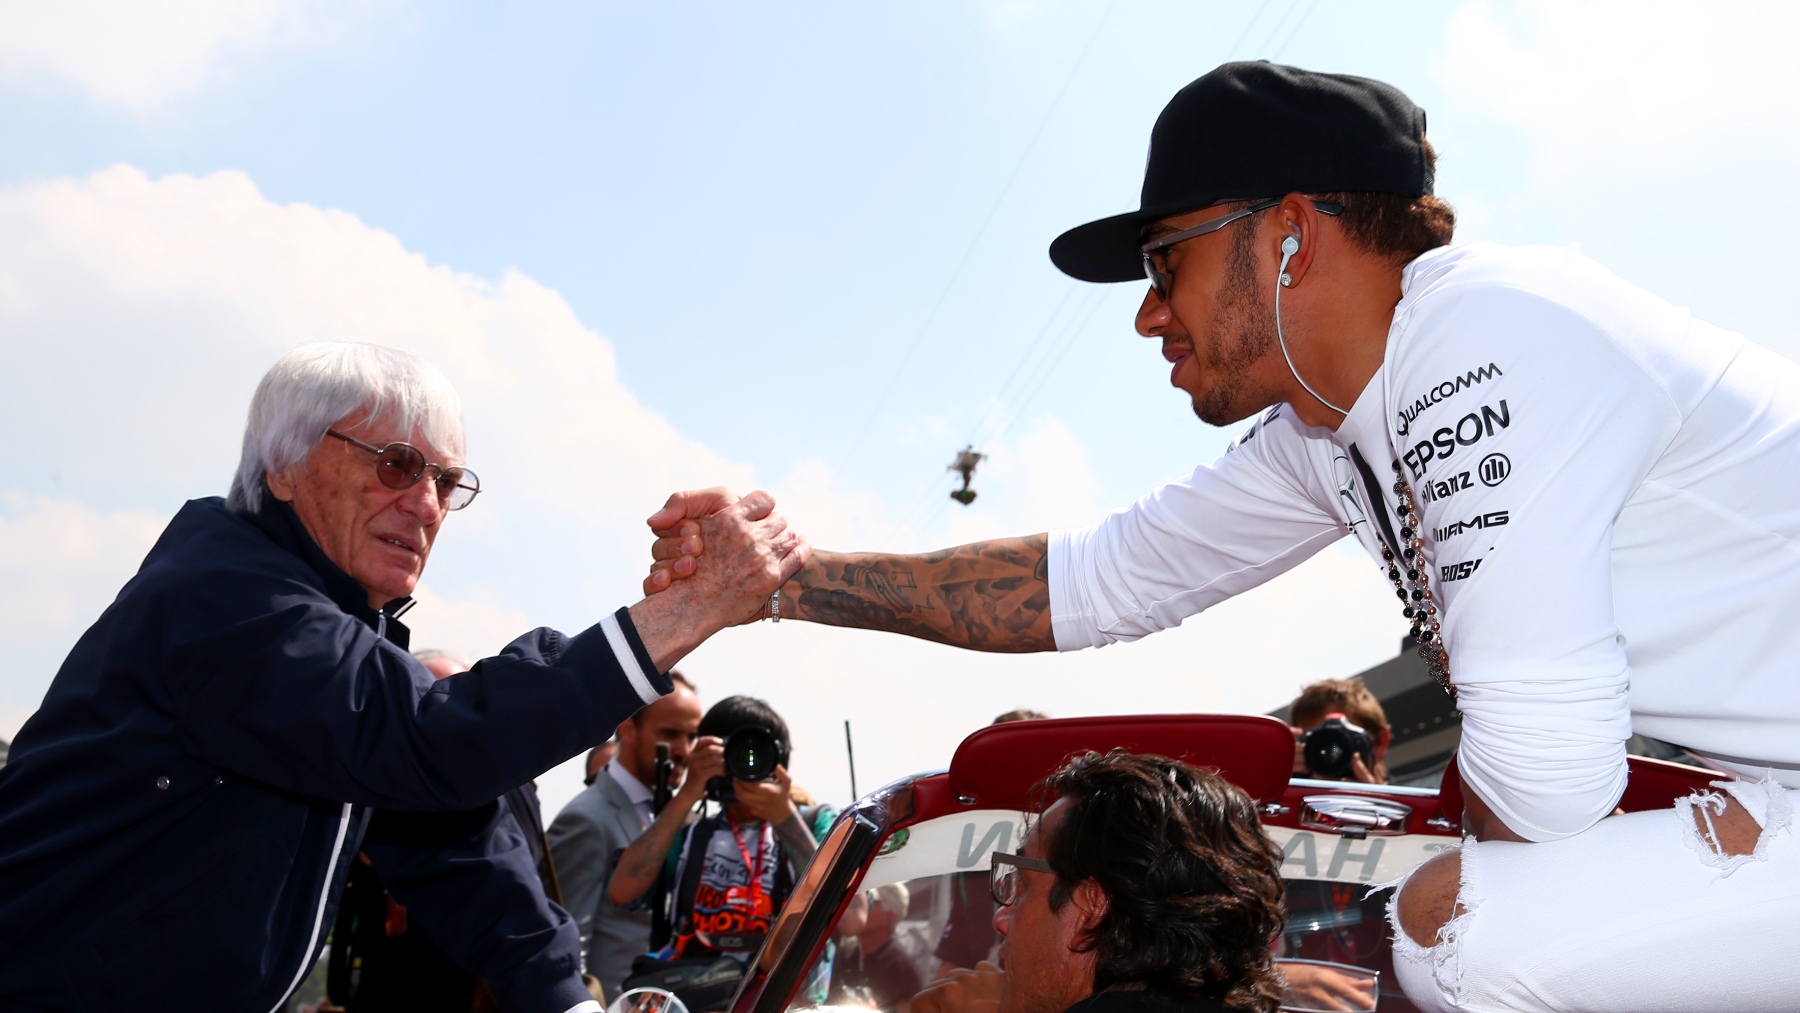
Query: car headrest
(997, 765)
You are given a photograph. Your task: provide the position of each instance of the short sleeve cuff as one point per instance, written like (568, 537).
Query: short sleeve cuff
(1070, 625)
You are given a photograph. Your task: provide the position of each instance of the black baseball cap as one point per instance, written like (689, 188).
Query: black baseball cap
(1250, 130)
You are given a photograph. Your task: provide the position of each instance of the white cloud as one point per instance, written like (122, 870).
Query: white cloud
(136, 56)
(61, 562)
(1646, 74)
(169, 298)
(1653, 133)
(64, 561)
(137, 314)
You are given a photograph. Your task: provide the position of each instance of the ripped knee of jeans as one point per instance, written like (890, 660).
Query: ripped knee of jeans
(1767, 803)
(1444, 955)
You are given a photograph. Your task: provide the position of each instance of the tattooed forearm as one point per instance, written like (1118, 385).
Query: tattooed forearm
(642, 862)
(990, 596)
(796, 841)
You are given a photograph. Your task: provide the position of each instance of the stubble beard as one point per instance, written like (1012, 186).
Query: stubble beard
(1042, 990)
(1247, 324)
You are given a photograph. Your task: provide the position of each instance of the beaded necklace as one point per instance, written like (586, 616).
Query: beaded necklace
(1412, 582)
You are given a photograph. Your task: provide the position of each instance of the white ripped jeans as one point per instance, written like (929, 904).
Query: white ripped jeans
(1638, 913)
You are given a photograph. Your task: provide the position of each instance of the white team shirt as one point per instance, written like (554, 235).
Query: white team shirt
(1611, 501)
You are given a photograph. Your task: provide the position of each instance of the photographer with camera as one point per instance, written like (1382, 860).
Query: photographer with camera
(728, 873)
(1340, 732)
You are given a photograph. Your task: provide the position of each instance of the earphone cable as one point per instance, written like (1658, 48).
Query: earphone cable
(1279, 274)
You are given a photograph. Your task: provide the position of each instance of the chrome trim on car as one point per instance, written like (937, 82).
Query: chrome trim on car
(1354, 815)
(1352, 786)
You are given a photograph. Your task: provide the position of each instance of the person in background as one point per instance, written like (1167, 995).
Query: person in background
(598, 757)
(1021, 714)
(968, 937)
(729, 872)
(1147, 886)
(1351, 700)
(381, 958)
(588, 836)
(876, 972)
(818, 816)
(1319, 985)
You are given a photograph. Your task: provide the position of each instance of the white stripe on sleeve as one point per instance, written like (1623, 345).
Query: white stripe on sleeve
(628, 661)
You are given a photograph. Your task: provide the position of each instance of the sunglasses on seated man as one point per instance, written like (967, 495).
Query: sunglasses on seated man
(1003, 875)
(401, 465)
(1159, 276)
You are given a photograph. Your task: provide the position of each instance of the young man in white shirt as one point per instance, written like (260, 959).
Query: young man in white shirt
(1588, 502)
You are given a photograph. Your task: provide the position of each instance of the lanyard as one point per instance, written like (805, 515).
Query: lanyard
(754, 868)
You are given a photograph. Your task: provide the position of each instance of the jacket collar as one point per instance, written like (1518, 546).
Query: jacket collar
(279, 521)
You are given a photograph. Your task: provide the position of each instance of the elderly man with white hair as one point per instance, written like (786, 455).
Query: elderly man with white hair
(176, 818)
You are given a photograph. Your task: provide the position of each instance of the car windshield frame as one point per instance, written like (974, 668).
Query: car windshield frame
(833, 875)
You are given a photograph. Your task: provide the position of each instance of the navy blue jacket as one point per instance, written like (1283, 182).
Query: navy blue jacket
(176, 818)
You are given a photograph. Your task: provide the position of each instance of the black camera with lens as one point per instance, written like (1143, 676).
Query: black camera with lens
(1329, 748)
(751, 754)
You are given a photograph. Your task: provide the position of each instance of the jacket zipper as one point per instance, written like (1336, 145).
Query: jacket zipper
(307, 959)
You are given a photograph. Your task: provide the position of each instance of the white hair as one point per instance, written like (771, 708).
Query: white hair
(893, 896)
(313, 387)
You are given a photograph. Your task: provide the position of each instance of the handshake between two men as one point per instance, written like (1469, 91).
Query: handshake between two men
(987, 596)
(751, 554)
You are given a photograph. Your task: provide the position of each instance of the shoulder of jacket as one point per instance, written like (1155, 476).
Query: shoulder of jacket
(206, 539)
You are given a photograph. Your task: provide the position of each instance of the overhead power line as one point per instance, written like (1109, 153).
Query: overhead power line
(1276, 55)
(875, 408)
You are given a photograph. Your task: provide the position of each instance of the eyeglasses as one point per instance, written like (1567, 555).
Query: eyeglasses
(1161, 279)
(401, 465)
(1003, 875)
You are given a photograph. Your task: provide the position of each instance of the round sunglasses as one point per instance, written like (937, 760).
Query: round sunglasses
(401, 466)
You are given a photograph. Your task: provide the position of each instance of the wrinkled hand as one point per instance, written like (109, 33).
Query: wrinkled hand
(1315, 986)
(678, 535)
(749, 554)
(768, 800)
(964, 990)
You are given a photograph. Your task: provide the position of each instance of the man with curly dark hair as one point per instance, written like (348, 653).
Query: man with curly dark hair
(1147, 886)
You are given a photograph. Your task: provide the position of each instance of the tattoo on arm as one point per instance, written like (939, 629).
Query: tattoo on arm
(796, 840)
(643, 860)
(990, 596)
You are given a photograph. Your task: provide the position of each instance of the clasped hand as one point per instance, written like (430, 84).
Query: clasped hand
(691, 524)
(750, 553)
(749, 550)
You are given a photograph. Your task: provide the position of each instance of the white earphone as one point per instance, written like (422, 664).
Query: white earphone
(1290, 246)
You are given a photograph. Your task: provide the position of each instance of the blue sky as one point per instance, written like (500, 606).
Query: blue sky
(797, 246)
